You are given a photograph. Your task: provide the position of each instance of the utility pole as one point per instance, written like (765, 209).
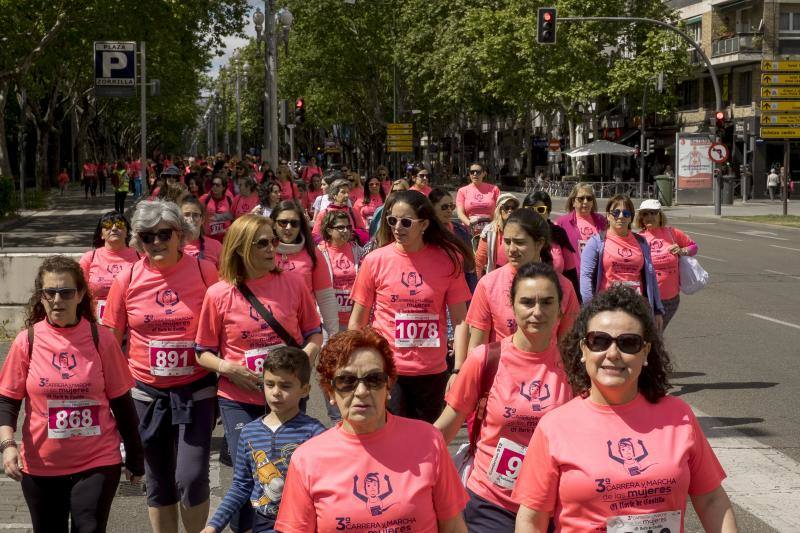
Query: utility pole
(269, 30)
(23, 96)
(642, 143)
(143, 115)
(238, 118)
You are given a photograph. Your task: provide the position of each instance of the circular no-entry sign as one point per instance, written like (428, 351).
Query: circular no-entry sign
(718, 153)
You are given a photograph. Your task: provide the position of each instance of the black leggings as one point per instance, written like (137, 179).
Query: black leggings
(85, 497)
(419, 397)
(119, 201)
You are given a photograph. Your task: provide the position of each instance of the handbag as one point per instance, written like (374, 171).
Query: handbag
(693, 276)
(267, 316)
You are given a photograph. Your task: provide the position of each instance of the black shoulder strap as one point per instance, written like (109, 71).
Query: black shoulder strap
(266, 315)
(202, 253)
(94, 253)
(30, 341)
(95, 338)
(488, 373)
(202, 277)
(208, 199)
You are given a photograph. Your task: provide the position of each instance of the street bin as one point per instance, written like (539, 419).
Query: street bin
(664, 189)
(727, 189)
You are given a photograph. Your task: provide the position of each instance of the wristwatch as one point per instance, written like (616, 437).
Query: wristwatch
(8, 443)
(455, 371)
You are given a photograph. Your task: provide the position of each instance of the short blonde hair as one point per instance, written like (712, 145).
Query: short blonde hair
(234, 259)
(570, 207)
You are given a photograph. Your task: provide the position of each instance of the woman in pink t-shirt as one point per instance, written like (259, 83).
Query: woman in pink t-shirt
(667, 244)
(339, 195)
(157, 302)
(373, 468)
(528, 382)
(197, 245)
(475, 203)
(422, 182)
(342, 255)
(110, 255)
(373, 198)
(623, 456)
(76, 386)
(283, 177)
(219, 208)
(247, 199)
(413, 279)
(490, 253)
(582, 219)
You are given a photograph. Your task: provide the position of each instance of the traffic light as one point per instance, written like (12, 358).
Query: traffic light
(299, 111)
(546, 28)
(719, 121)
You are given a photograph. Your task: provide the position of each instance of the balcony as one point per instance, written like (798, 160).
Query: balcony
(737, 44)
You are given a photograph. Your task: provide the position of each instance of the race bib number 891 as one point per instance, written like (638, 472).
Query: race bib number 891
(171, 358)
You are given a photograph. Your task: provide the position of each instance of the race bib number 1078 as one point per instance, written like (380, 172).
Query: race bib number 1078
(416, 330)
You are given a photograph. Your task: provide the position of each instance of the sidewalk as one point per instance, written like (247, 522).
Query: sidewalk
(751, 208)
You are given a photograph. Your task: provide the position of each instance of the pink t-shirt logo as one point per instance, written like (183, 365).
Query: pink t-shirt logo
(167, 298)
(64, 363)
(624, 252)
(656, 244)
(343, 263)
(625, 454)
(537, 393)
(587, 231)
(257, 317)
(114, 269)
(372, 494)
(286, 265)
(412, 280)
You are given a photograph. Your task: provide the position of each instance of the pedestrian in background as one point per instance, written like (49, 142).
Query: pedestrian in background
(773, 180)
(63, 181)
(121, 184)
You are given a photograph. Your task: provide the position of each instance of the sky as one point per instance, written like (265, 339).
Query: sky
(232, 43)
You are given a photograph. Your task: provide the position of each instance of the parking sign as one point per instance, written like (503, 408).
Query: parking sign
(115, 68)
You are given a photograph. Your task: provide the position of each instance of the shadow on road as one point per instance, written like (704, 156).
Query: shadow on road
(729, 426)
(680, 375)
(688, 388)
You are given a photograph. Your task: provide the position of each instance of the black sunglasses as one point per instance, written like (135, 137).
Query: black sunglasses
(599, 341)
(349, 382)
(588, 198)
(67, 293)
(475, 172)
(510, 206)
(262, 244)
(163, 235)
(617, 213)
(290, 223)
(447, 207)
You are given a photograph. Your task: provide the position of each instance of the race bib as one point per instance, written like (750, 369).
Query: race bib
(506, 463)
(101, 310)
(254, 359)
(171, 358)
(416, 330)
(635, 285)
(665, 522)
(72, 418)
(217, 228)
(343, 300)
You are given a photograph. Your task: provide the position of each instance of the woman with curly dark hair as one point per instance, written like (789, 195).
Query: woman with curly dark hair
(638, 445)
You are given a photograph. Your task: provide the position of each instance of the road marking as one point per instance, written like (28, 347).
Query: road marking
(715, 236)
(775, 320)
(762, 234)
(16, 526)
(785, 248)
(781, 273)
(760, 479)
(712, 258)
(697, 224)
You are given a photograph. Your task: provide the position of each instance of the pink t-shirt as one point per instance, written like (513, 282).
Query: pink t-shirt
(353, 214)
(588, 463)
(100, 268)
(215, 229)
(622, 262)
(410, 291)
(490, 309)
(356, 195)
(160, 309)
(66, 385)
(342, 267)
(316, 277)
(89, 170)
(478, 200)
(527, 385)
(367, 211)
(586, 229)
(242, 205)
(211, 250)
(562, 261)
(373, 482)
(426, 190)
(288, 190)
(230, 326)
(666, 264)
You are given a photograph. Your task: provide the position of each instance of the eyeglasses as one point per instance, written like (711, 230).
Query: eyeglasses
(149, 237)
(599, 341)
(541, 209)
(510, 206)
(588, 198)
(262, 244)
(108, 224)
(193, 216)
(67, 293)
(474, 172)
(422, 176)
(343, 228)
(447, 207)
(349, 382)
(404, 222)
(216, 184)
(624, 213)
(288, 223)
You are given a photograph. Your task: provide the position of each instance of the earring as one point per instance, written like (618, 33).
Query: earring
(583, 359)
(645, 363)
(332, 401)
(388, 396)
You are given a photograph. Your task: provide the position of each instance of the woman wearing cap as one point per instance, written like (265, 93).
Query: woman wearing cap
(197, 245)
(158, 301)
(476, 202)
(667, 244)
(582, 219)
(620, 257)
(490, 253)
(110, 255)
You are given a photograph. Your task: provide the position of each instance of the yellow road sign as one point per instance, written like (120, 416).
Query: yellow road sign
(770, 132)
(400, 137)
(400, 149)
(780, 66)
(780, 79)
(780, 92)
(400, 126)
(785, 119)
(786, 105)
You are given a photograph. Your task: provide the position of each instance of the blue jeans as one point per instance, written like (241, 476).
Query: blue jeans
(137, 188)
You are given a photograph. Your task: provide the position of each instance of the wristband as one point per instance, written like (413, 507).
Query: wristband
(455, 371)
(8, 443)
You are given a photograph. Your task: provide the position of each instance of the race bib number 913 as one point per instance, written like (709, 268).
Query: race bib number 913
(416, 330)
(72, 418)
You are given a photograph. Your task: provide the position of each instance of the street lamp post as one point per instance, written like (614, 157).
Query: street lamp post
(258, 20)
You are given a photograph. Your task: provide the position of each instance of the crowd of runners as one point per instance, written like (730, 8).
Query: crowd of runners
(423, 310)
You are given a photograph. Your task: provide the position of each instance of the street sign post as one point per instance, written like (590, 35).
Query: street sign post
(718, 153)
(400, 137)
(115, 68)
(781, 119)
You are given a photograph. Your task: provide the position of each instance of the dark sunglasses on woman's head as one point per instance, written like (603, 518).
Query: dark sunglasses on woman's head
(349, 382)
(67, 293)
(598, 341)
(405, 222)
(163, 235)
(624, 213)
(262, 244)
(288, 223)
(111, 223)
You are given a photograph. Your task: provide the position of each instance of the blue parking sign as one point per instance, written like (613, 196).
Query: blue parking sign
(115, 68)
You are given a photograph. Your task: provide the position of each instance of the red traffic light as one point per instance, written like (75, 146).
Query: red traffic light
(547, 16)
(720, 115)
(299, 104)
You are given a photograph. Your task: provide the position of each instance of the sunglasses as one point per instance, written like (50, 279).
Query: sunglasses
(67, 293)
(217, 184)
(289, 223)
(349, 382)
(475, 172)
(422, 176)
(585, 198)
(404, 222)
(599, 341)
(624, 213)
(108, 224)
(509, 206)
(343, 228)
(163, 235)
(447, 207)
(262, 244)
(541, 209)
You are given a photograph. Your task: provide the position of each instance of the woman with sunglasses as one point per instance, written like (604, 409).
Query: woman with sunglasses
(412, 280)
(667, 244)
(490, 253)
(528, 383)
(476, 202)
(396, 185)
(157, 302)
(247, 198)
(197, 245)
(582, 219)
(219, 208)
(373, 198)
(620, 257)
(339, 194)
(108, 257)
(421, 182)
(565, 257)
(283, 177)
(622, 440)
(342, 256)
(233, 340)
(76, 387)
(444, 207)
(374, 473)
(297, 253)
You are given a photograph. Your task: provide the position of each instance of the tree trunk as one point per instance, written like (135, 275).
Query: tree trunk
(5, 163)
(42, 150)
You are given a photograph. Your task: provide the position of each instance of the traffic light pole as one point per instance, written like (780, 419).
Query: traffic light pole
(700, 52)
(642, 142)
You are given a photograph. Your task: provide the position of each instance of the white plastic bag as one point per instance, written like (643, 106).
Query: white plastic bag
(693, 276)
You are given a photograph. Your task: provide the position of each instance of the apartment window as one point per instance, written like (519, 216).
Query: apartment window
(789, 19)
(695, 31)
(744, 92)
(688, 96)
